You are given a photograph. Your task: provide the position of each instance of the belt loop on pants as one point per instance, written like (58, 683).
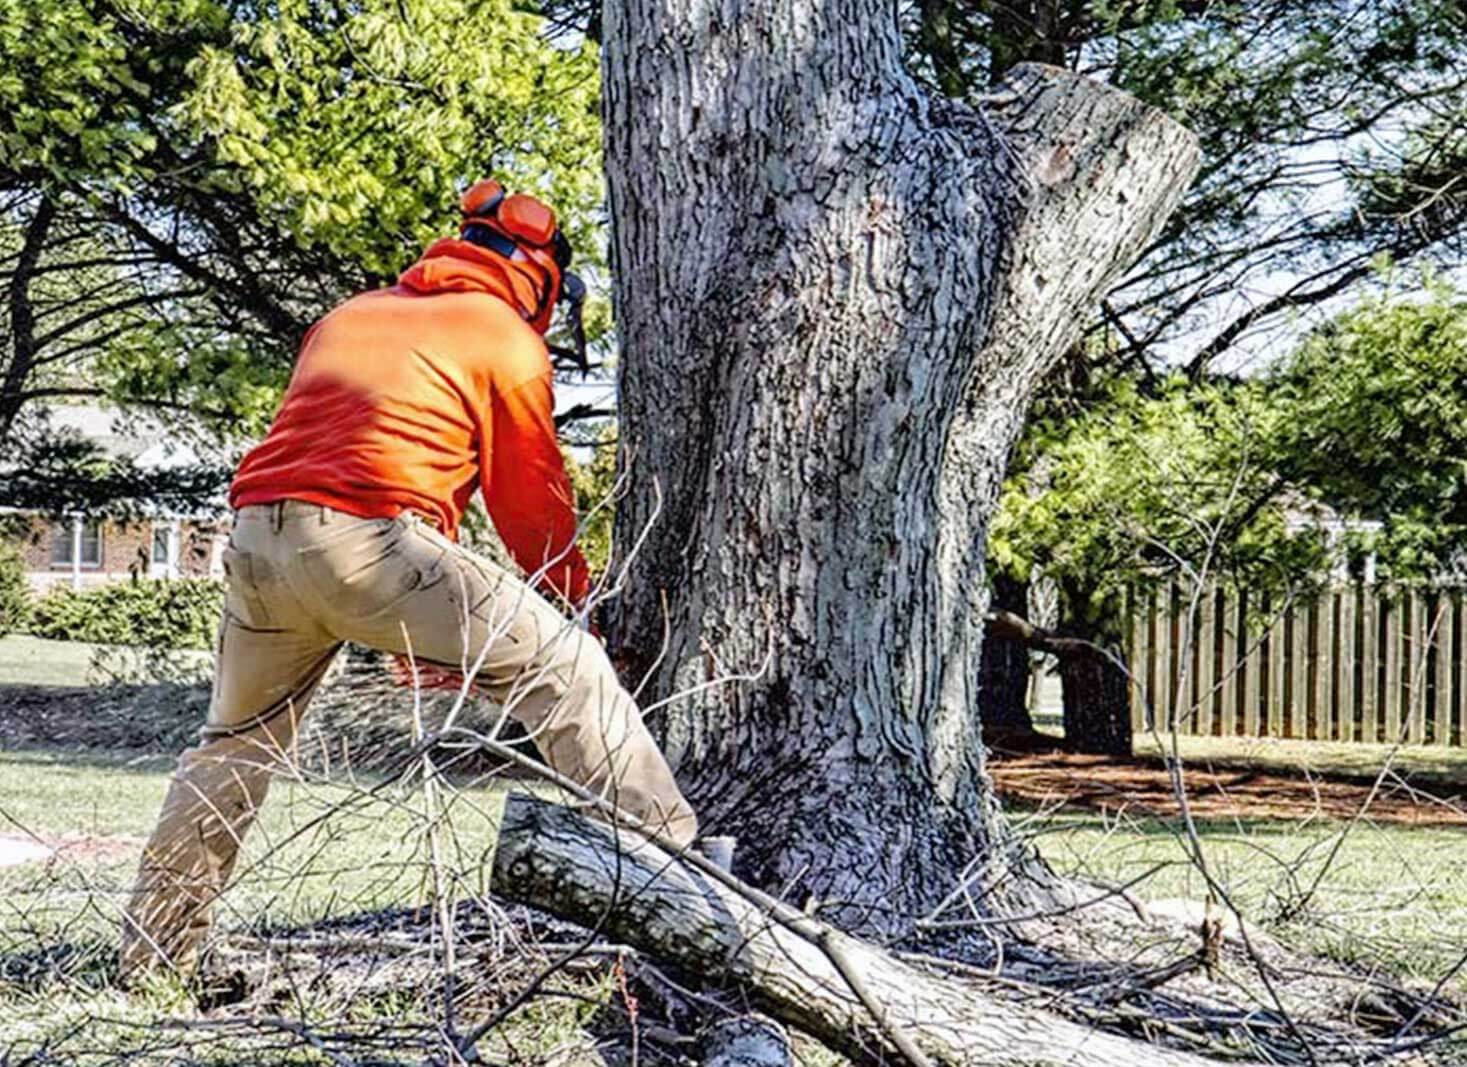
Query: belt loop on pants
(277, 516)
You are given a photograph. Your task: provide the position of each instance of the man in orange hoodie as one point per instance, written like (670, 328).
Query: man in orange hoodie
(402, 403)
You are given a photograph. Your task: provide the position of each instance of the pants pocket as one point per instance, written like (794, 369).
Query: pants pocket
(365, 575)
(244, 596)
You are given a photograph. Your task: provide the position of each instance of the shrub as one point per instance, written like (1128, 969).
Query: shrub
(15, 589)
(154, 613)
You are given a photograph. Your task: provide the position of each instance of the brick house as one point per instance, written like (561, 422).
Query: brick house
(81, 550)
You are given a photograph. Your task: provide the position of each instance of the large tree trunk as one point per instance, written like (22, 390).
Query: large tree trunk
(835, 294)
(1097, 699)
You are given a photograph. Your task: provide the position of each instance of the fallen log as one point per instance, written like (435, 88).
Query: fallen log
(849, 994)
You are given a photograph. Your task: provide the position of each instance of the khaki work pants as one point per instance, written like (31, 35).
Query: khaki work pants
(303, 579)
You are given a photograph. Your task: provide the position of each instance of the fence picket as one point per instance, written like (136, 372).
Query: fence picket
(1229, 616)
(1278, 675)
(1369, 663)
(1252, 643)
(1346, 703)
(1204, 656)
(1458, 700)
(1298, 717)
(1414, 657)
(1443, 692)
(1355, 664)
(1390, 640)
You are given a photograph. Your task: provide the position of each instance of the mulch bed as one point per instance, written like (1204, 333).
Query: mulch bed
(1051, 777)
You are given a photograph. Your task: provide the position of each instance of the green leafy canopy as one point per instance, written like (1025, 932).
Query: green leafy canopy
(1140, 488)
(1373, 420)
(229, 171)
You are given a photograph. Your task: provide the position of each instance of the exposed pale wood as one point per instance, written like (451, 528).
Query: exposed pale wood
(783, 960)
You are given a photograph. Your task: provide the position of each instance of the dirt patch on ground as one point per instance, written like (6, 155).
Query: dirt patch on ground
(1053, 778)
(162, 717)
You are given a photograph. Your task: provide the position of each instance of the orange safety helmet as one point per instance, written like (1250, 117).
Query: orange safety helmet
(523, 229)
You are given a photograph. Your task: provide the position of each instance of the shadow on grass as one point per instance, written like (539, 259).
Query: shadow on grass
(361, 720)
(89, 962)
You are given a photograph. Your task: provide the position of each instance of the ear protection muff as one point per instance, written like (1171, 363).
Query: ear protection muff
(519, 226)
(481, 198)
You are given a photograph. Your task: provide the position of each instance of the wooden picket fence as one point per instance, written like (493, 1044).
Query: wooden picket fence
(1356, 663)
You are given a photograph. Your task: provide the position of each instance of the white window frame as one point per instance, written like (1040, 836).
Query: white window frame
(168, 566)
(73, 536)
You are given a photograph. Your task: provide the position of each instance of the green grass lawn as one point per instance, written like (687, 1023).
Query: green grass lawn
(321, 849)
(1386, 897)
(1436, 762)
(27, 660)
(1388, 894)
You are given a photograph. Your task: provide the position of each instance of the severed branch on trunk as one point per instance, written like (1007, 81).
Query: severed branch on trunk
(853, 996)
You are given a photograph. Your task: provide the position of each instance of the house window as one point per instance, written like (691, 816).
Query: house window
(163, 562)
(64, 542)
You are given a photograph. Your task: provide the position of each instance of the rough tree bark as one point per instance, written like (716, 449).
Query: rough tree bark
(1003, 678)
(1097, 690)
(835, 293)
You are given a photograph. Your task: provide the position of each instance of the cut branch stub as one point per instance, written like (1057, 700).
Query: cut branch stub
(788, 963)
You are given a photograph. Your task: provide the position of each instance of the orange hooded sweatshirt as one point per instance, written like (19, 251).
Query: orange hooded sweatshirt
(408, 398)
